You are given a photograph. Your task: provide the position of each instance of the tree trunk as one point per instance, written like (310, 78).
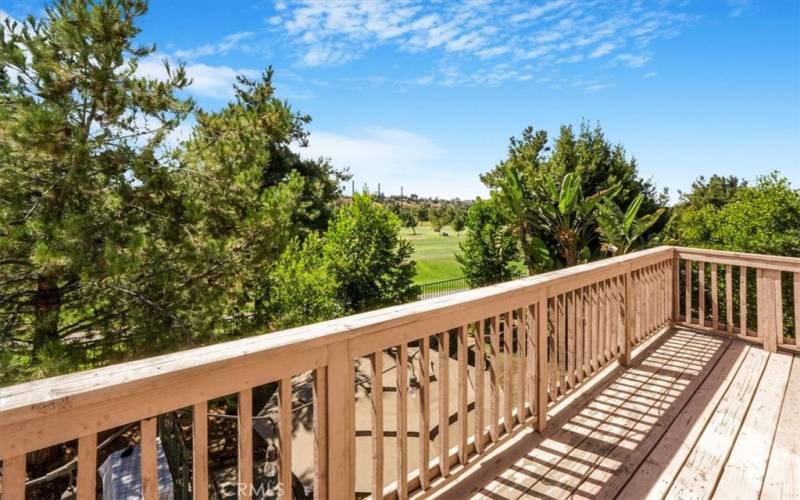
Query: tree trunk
(47, 303)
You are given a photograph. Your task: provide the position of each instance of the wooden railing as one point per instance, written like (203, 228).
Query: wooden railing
(484, 363)
(753, 297)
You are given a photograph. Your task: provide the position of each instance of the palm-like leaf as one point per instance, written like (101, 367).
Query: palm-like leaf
(621, 232)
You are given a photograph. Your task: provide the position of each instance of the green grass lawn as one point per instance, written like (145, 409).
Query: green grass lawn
(434, 253)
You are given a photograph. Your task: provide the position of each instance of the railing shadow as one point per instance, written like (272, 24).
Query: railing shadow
(574, 454)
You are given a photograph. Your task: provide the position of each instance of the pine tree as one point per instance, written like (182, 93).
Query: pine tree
(83, 184)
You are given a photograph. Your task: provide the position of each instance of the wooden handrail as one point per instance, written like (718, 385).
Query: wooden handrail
(563, 326)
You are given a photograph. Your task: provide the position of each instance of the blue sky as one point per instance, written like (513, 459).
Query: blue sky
(426, 94)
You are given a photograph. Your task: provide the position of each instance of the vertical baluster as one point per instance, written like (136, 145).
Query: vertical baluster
(200, 451)
(562, 345)
(701, 293)
(668, 279)
(541, 364)
(629, 325)
(587, 331)
(463, 382)
(494, 405)
(607, 320)
(444, 403)
(688, 291)
(654, 297)
(729, 299)
(651, 300)
(424, 411)
(595, 329)
(676, 290)
(552, 348)
(796, 309)
(657, 289)
(87, 467)
(742, 300)
(508, 380)
(376, 395)
(619, 307)
(480, 364)
(619, 314)
(320, 398)
(530, 350)
(402, 421)
(285, 431)
(666, 302)
(714, 297)
(639, 301)
(570, 330)
(579, 335)
(644, 302)
(246, 444)
(601, 322)
(607, 315)
(663, 288)
(14, 477)
(148, 457)
(522, 364)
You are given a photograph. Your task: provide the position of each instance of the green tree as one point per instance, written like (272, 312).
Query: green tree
(554, 211)
(489, 253)
(422, 211)
(247, 195)
(409, 219)
(108, 232)
(716, 191)
(368, 258)
(459, 221)
(300, 288)
(88, 206)
(621, 233)
(437, 219)
(762, 218)
(524, 182)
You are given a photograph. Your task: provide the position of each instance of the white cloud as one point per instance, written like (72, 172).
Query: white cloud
(337, 31)
(228, 43)
(493, 52)
(547, 36)
(633, 60)
(539, 10)
(394, 158)
(739, 7)
(602, 50)
(598, 86)
(375, 152)
(215, 82)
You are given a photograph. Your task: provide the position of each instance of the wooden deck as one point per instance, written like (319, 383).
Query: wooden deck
(567, 383)
(695, 416)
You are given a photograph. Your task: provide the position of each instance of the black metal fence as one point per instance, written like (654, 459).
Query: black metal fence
(445, 287)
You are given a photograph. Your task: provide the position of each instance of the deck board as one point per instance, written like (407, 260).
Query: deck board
(697, 416)
(744, 472)
(707, 459)
(783, 472)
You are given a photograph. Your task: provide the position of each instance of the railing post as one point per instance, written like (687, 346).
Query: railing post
(769, 302)
(541, 364)
(625, 357)
(341, 433)
(676, 293)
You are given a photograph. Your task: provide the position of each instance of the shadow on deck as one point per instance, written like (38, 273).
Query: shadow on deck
(695, 416)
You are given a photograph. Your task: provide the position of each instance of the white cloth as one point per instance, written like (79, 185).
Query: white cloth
(121, 474)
